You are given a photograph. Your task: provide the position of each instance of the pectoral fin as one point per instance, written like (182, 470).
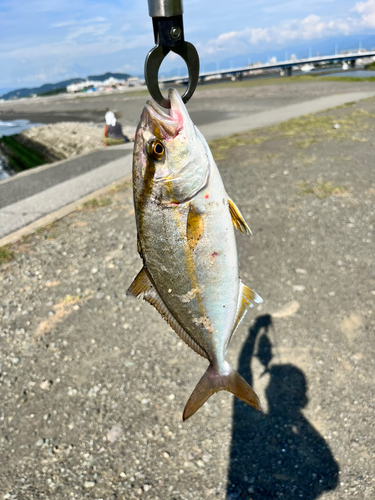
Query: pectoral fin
(237, 218)
(194, 227)
(143, 286)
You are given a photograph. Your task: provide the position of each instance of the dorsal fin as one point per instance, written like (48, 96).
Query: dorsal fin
(237, 218)
(246, 299)
(143, 286)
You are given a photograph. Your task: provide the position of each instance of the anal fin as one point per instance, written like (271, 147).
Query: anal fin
(237, 218)
(143, 286)
(247, 297)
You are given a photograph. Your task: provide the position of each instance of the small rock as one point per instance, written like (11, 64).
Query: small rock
(301, 271)
(40, 442)
(75, 307)
(72, 392)
(171, 397)
(89, 484)
(46, 385)
(287, 310)
(166, 454)
(114, 433)
(200, 463)
(146, 487)
(100, 295)
(331, 294)
(15, 360)
(336, 126)
(299, 288)
(94, 270)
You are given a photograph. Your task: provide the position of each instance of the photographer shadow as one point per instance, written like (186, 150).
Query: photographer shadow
(278, 454)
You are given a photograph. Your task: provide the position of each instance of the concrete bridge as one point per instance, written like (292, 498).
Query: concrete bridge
(287, 66)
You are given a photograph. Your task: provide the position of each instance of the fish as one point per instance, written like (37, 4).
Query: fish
(185, 231)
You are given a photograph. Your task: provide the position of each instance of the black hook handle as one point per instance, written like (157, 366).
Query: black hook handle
(169, 36)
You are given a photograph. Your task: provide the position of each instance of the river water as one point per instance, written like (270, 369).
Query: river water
(15, 126)
(361, 73)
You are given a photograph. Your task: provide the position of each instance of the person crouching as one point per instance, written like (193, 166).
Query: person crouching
(113, 134)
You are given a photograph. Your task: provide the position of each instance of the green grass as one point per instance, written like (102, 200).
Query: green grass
(219, 147)
(311, 129)
(6, 255)
(53, 92)
(94, 203)
(370, 66)
(320, 189)
(120, 187)
(20, 156)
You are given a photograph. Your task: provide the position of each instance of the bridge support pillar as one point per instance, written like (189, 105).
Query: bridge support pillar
(352, 63)
(289, 71)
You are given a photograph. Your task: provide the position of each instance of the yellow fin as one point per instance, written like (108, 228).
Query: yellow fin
(237, 218)
(143, 286)
(246, 299)
(194, 227)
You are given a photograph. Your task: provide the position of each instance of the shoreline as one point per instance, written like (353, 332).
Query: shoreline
(45, 144)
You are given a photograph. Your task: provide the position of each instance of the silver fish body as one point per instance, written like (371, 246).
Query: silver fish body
(185, 224)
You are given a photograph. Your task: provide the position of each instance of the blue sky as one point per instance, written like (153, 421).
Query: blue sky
(44, 41)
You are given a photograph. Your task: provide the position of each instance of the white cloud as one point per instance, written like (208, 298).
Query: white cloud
(367, 11)
(94, 30)
(309, 28)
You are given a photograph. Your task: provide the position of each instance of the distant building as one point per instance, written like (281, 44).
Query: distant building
(133, 81)
(106, 85)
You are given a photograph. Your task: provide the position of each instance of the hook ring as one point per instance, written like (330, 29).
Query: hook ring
(152, 65)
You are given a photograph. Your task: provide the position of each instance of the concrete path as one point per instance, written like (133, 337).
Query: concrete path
(267, 118)
(32, 195)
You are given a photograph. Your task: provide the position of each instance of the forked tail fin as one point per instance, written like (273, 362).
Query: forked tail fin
(212, 382)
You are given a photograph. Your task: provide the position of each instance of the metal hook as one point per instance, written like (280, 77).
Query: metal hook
(152, 64)
(169, 36)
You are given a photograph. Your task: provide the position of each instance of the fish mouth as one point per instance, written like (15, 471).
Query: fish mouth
(164, 123)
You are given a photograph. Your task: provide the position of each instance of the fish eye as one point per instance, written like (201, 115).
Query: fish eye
(156, 149)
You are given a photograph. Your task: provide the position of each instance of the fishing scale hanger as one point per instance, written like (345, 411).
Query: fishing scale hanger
(169, 36)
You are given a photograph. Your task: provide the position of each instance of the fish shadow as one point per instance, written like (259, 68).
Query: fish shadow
(278, 454)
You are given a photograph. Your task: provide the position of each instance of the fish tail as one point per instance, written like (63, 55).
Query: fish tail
(212, 382)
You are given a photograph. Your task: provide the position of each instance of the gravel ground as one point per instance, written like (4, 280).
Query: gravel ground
(93, 384)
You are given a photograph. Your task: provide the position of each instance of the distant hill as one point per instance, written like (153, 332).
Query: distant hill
(51, 88)
(47, 87)
(101, 78)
